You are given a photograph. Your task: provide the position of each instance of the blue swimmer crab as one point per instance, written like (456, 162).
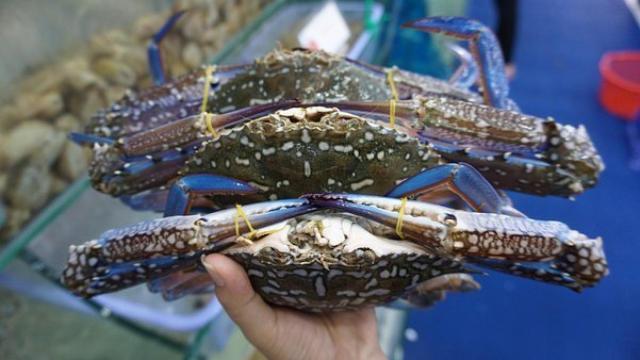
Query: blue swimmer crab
(156, 150)
(148, 141)
(344, 147)
(329, 252)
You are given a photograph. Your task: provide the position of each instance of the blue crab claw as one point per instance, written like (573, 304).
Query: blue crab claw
(152, 158)
(89, 139)
(484, 48)
(153, 249)
(185, 190)
(153, 49)
(547, 251)
(150, 200)
(191, 129)
(467, 72)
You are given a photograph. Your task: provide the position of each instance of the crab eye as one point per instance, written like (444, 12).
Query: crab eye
(450, 220)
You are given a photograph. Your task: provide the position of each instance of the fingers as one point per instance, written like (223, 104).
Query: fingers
(244, 306)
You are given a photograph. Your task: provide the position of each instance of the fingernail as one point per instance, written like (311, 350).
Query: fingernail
(211, 269)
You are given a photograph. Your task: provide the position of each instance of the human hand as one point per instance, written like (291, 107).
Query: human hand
(281, 333)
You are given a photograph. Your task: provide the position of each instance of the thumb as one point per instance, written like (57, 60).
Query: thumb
(245, 307)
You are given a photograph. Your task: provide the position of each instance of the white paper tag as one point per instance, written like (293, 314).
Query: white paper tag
(327, 30)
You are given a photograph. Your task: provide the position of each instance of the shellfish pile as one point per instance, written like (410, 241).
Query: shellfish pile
(36, 160)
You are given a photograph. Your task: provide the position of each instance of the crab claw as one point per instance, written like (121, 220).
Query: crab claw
(484, 48)
(192, 128)
(89, 139)
(547, 251)
(467, 72)
(151, 158)
(152, 249)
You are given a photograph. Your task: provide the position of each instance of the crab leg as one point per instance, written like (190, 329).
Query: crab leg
(184, 191)
(429, 292)
(180, 284)
(449, 282)
(153, 249)
(187, 130)
(152, 158)
(461, 124)
(460, 179)
(542, 250)
(153, 49)
(89, 139)
(180, 132)
(159, 105)
(179, 202)
(150, 200)
(485, 49)
(467, 72)
(512, 150)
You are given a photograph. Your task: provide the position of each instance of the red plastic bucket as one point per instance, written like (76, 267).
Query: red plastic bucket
(620, 88)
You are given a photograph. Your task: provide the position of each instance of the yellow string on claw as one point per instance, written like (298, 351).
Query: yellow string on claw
(208, 118)
(208, 76)
(394, 98)
(204, 115)
(243, 215)
(400, 221)
(392, 113)
(392, 84)
(253, 233)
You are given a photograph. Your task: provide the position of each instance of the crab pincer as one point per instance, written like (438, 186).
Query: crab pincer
(484, 48)
(547, 251)
(153, 249)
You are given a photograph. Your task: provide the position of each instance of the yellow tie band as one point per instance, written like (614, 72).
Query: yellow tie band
(400, 221)
(241, 214)
(253, 233)
(392, 84)
(392, 113)
(208, 76)
(208, 118)
(394, 98)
